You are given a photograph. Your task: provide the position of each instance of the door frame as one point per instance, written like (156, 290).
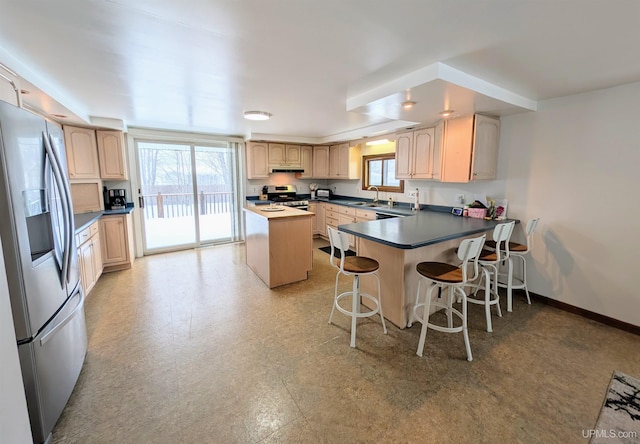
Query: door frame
(186, 138)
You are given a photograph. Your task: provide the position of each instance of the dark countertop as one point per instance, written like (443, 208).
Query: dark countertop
(83, 220)
(426, 227)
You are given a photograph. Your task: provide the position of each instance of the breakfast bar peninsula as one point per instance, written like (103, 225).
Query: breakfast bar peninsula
(279, 242)
(400, 243)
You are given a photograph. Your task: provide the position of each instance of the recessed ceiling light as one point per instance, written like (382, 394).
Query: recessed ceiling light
(257, 115)
(447, 112)
(408, 104)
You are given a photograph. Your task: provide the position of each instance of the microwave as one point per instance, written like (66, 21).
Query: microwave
(323, 194)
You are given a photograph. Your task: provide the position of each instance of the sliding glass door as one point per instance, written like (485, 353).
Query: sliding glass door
(189, 192)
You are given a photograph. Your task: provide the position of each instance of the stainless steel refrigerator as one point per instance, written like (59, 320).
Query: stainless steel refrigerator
(38, 239)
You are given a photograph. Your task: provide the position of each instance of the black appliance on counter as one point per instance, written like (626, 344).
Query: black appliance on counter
(286, 195)
(116, 199)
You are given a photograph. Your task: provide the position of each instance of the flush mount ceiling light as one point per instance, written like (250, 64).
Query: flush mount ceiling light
(257, 115)
(447, 112)
(408, 104)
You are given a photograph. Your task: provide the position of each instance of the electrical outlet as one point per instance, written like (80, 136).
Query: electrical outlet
(460, 198)
(255, 189)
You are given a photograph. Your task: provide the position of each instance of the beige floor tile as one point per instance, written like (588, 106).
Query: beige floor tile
(192, 347)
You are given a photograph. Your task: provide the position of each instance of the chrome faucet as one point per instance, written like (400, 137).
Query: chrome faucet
(375, 201)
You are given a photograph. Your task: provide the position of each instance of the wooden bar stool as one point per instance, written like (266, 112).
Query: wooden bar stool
(489, 261)
(355, 266)
(506, 280)
(453, 278)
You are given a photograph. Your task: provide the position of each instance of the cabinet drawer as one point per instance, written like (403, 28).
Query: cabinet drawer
(332, 207)
(347, 210)
(83, 236)
(332, 214)
(332, 222)
(365, 214)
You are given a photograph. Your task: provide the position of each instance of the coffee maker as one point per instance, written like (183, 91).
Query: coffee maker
(116, 199)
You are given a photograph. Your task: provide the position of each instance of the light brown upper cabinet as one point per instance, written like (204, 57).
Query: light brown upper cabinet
(257, 160)
(306, 154)
(282, 155)
(321, 162)
(344, 161)
(82, 152)
(111, 155)
(418, 154)
(470, 148)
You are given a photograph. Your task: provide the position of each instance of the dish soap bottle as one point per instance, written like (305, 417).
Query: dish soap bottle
(416, 203)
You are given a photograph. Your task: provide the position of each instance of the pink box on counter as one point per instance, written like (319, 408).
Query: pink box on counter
(478, 213)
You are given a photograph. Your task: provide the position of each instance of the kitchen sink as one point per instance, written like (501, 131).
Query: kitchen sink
(365, 204)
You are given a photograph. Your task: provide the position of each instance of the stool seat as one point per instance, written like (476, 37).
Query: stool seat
(440, 271)
(488, 255)
(358, 264)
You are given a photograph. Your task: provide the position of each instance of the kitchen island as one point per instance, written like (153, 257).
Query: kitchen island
(399, 244)
(279, 243)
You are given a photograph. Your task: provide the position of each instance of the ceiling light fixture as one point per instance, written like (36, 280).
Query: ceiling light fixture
(257, 115)
(378, 142)
(408, 104)
(447, 112)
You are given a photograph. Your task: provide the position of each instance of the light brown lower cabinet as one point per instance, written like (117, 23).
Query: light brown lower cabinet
(89, 256)
(116, 234)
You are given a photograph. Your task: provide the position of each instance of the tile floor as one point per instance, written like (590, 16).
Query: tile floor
(192, 347)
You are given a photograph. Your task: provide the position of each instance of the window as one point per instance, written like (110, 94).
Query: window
(379, 170)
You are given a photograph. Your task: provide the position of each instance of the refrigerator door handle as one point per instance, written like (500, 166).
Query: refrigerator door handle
(51, 333)
(55, 167)
(67, 193)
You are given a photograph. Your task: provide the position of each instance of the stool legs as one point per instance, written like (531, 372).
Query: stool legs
(425, 318)
(451, 296)
(355, 308)
(356, 300)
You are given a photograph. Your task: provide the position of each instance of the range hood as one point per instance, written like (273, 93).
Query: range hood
(286, 169)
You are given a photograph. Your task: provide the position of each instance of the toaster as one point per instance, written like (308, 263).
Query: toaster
(323, 194)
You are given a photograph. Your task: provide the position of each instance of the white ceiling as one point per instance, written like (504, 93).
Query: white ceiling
(326, 69)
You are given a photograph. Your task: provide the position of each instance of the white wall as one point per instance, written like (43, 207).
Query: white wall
(574, 163)
(14, 419)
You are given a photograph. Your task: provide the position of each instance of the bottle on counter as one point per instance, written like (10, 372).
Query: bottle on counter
(465, 211)
(390, 202)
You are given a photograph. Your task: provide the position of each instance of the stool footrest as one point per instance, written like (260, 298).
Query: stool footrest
(364, 314)
(454, 311)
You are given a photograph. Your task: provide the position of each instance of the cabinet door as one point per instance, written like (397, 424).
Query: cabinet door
(423, 142)
(456, 153)
(321, 162)
(344, 158)
(257, 163)
(82, 153)
(111, 155)
(348, 219)
(313, 208)
(306, 154)
(404, 164)
(113, 236)
(277, 154)
(293, 155)
(485, 148)
(86, 267)
(436, 162)
(96, 256)
(334, 161)
(321, 220)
